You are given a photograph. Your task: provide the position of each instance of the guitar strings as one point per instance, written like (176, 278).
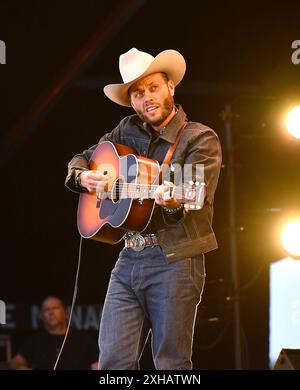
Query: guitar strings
(134, 190)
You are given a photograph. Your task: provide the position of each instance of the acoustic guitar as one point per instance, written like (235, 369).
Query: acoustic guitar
(128, 201)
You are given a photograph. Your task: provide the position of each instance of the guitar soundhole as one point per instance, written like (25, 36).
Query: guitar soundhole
(116, 190)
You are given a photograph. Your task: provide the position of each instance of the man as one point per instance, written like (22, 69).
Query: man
(159, 287)
(41, 350)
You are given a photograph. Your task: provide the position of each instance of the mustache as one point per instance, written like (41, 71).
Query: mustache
(150, 104)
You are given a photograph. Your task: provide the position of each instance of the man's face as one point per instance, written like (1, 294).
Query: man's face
(152, 99)
(54, 313)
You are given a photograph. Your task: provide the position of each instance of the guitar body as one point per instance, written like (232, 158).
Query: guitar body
(107, 220)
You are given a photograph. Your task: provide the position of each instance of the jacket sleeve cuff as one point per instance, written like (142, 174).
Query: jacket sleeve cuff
(172, 220)
(72, 181)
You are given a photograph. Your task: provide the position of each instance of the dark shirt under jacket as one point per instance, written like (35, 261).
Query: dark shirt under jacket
(42, 348)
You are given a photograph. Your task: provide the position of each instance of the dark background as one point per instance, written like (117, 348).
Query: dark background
(237, 53)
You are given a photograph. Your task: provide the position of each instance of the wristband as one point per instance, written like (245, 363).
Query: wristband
(173, 211)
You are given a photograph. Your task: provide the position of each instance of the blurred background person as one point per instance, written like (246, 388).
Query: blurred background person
(40, 351)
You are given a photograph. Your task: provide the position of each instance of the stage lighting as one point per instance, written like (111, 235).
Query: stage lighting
(290, 237)
(293, 122)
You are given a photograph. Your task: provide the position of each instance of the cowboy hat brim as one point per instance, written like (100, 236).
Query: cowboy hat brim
(170, 62)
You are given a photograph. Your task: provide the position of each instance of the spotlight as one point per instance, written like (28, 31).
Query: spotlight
(293, 122)
(290, 237)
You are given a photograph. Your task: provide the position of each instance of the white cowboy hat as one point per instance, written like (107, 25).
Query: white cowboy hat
(135, 64)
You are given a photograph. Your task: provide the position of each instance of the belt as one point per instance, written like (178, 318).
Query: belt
(138, 242)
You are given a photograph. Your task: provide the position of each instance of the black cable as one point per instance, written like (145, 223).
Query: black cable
(245, 350)
(254, 277)
(215, 342)
(72, 306)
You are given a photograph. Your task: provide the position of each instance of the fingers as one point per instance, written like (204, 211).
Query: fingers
(94, 181)
(158, 194)
(164, 195)
(100, 186)
(97, 176)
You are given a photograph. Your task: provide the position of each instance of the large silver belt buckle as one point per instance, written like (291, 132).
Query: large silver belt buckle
(137, 242)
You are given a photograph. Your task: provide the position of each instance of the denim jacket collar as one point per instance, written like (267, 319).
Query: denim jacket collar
(169, 132)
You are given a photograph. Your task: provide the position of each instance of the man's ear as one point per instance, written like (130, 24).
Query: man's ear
(171, 87)
(131, 102)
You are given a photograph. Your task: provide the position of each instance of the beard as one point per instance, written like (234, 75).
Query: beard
(166, 108)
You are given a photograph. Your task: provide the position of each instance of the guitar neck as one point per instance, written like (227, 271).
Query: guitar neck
(141, 191)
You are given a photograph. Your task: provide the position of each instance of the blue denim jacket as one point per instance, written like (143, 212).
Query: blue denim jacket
(182, 234)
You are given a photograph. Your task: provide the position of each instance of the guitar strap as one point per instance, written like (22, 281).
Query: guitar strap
(170, 152)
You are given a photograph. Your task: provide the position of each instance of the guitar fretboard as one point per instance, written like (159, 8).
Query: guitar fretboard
(146, 191)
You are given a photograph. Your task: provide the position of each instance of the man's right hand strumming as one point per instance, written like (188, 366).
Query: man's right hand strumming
(94, 180)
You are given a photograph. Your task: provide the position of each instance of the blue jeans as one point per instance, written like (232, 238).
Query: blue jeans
(146, 293)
